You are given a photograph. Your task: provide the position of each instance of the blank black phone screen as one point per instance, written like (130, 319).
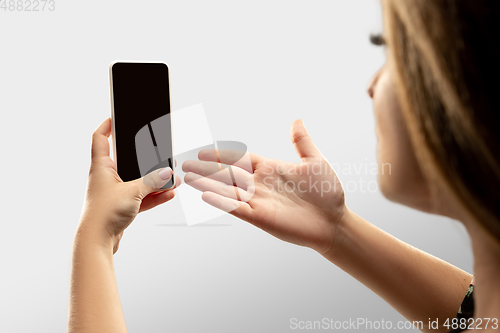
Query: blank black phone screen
(141, 95)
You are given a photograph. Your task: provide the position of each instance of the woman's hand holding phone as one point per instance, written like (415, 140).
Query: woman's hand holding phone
(301, 203)
(110, 204)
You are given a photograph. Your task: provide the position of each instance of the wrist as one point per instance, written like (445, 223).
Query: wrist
(340, 234)
(90, 234)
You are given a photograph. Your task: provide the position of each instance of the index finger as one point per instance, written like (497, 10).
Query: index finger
(100, 144)
(244, 160)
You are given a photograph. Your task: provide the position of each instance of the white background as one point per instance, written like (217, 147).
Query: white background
(256, 66)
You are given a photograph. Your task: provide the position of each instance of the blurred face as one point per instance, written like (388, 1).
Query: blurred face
(400, 178)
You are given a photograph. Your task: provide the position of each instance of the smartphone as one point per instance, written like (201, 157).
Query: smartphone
(140, 114)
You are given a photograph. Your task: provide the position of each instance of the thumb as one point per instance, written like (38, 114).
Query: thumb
(304, 145)
(154, 180)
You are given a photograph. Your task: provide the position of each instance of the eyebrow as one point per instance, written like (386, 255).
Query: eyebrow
(377, 39)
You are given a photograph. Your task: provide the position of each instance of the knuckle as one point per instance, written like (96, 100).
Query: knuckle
(296, 138)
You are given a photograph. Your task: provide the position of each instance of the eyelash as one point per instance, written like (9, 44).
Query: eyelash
(377, 39)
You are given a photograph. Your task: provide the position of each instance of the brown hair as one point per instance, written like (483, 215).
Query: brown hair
(447, 59)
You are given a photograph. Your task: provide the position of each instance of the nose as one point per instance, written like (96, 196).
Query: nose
(370, 89)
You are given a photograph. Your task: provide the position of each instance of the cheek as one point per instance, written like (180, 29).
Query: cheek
(399, 176)
(389, 125)
(388, 146)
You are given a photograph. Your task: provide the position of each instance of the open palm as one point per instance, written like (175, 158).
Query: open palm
(301, 203)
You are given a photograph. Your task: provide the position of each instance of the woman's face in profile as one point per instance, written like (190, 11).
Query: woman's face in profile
(399, 176)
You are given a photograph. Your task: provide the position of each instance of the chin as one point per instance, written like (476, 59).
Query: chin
(387, 190)
(414, 195)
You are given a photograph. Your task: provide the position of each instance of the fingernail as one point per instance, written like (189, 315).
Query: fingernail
(165, 173)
